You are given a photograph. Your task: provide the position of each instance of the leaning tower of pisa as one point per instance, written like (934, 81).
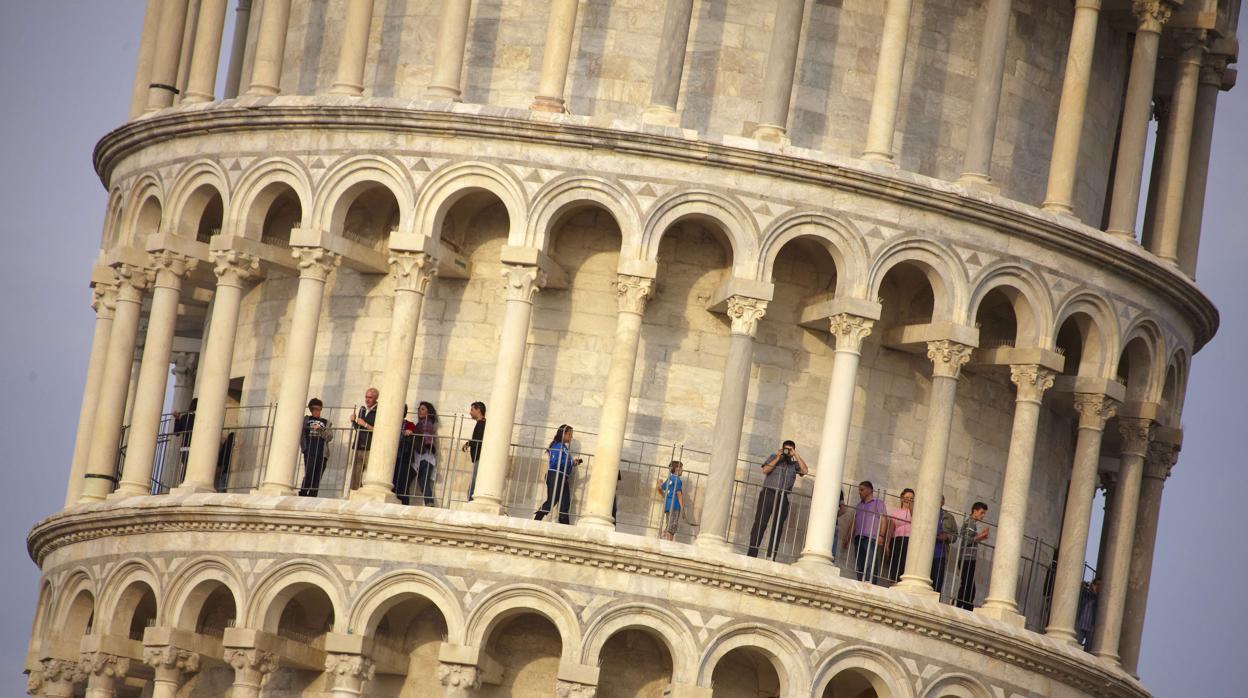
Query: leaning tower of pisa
(902, 234)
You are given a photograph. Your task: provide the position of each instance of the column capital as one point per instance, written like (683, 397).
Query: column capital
(1192, 44)
(745, 313)
(1095, 409)
(850, 331)
(520, 282)
(34, 682)
(1031, 380)
(104, 299)
(1160, 460)
(171, 657)
(55, 670)
(104, 665)
(633, 292)
(1213, 69)
(1136, 434)
(459, 676)
(1150, 15)
(572, 689)
(251, 659)
(948, 357)
(233, 267)
(350, 666)
(315, 263)
(169, 267)
(131, 280)
(412, 271)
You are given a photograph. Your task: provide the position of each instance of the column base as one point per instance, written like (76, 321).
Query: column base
(193, 488)
(878, 156)
(1128, 235)
(446, 92)
(554, 105)
(195, 98)
(482, 505)
(1111, 657)
(372, 493)
(1062, 635)
(820, 563)
(1061, 208)
(127, 490)
(596, 521)
(342, 89)
(711, 541)
(661, 116)
(1002, 613)
(256, 90)
(770, 133)
(273, 490)
(979, 181)
(918, 587)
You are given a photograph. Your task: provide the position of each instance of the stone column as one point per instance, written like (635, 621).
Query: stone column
(164, 73)
(1172, 183)
(781, 63)
(168, 268)
(188, 42)
(252, 668)
(114, 384)
(1211, 82)
(665, 91)
(412, 272)
(238, 48)
(1137, 109)
(448, 58)
(1161, 458)
(882, 123)
(1094, 410)
(315, 266)
(850, 331)
(459, 680)
(104, 302)
(173, 667)
(745, 313)
(1120, 527)
(348, 673)
(633, 292)
(58, 677)
(948, 358)
(1072, 109)
(354, 51)
(1032, 381)
(103, 671)
(558, 50)
(232, 269)
(266, 69)
(990, 71)
(202, 83)
(143, 65)
(520, 283)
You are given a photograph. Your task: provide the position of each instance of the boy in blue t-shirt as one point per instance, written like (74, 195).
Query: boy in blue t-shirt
(672, 490)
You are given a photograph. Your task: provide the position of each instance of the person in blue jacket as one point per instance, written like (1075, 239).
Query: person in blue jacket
(559, 475)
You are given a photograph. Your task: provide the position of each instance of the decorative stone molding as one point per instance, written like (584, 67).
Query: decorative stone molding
(1151, 14)
(169, 268)
(459, 679)
(948, 357)
(103, 665)
(315, 263)
(171, 657)
(1032, 380)
(131, 282)
(850, 331)
(1095, 409)
(572, 689)
(34, 682)
(633, 293)
(1160, 460)
(60, 671)
(412, 271)
(1136, 434)
(521, 282)
(104, 299)
(233, 267)
(349, 671)
(745, 313)
(1213, 69)
(248, 659)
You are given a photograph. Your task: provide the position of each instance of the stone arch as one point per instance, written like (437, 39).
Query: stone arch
(957, 686)
(1098, 327)
(1029, 297)
(944, 271)
(446, 186)
(112, 219)
(842, 240)
(1174, 388)
(729, 216)
(268, 600)
(143, 212)
(885, 675)
(192, 193)
(351, 176)
(383, 593)
(783, 653)
(259, 186)
(500, 604)
(44, 607)
(190, 587)
(566, 193)
(122, 593)
(665, 625)
(75, 610)
(1141, 362)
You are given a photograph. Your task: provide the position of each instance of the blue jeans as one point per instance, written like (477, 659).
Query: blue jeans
(866, 558)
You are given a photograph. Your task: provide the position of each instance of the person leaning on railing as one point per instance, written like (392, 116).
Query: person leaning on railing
(559, 475)
(672, 491)
(974, 532)
(426, 450)
(314, 443)
(867, 532)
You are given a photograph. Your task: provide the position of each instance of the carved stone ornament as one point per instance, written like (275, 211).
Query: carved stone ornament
(169, 267)
(1151, 14)
(1160, 459)
(571, 689)
(34, 682)
(745, 313)
(171, 657)
(104, 299)
(1136, 433)
(104, 665)
(459, 676)
(1032, 380)
(1095, 409)
(233, 267)
(521, 282)
(250, 659)
(850, 331)
(412, 271)
(58, 670)
(131, 281)
(184, 365)
(948, 357)
(633, 292)
(315, 263)
(350, 666)
(1213, 69)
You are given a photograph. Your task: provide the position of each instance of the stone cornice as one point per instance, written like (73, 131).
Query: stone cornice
(1009, 217)
(229, 513)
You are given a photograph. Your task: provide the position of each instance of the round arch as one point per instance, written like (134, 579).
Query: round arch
(664, 624)
(1175, 387)
(264, 609)
(563, 194)
(121, 595)
(944, 272)
(885, 675)
(337, 190)
(1099, 332)
(257, 189)
(957, 686)
(842, 240)
(783, 653)
(728, 214)
(188, 197)
(1144, 350)
(384, 593)
(505, 602)
(75, 610)
(112, 219)
(1028, 295)
(144, 208)
(189, 589)
(451, 182)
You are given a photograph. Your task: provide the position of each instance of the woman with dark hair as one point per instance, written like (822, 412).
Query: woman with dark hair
(426, 449)
(897, 543)
(559, 475)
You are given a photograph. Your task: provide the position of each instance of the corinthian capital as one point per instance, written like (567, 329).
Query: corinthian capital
(633, 292)
(1151, 14)
(104, 665)
(1032, 380)
(131, 282)
(412, 271)
(251, 659)
(104, 299)
(233, 267)
(850, 331)
(571, 689)
(1213, 69)
(1095, 409)
(315, 263)
(34, 682)
(57, 670)
(521, 282)
(170, 267)
(171, 657)
(948, 357)
(1160, 459)
(745, 313)
(1136, 433)
(350, 666)
(461, 677)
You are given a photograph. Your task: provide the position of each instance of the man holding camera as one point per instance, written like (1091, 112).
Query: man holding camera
(780, 471)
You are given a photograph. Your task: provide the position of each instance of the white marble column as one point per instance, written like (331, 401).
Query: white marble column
(1137, 110)
(168, 269)
(1072, 109)
(1094, 410)
(520, 283)
(353, 53)
(165, 57)
(188, 42)
(114, 384)
(147, 52)
(1211, 82)
(745, 313)
(849, 331)
(104, 302)
(560, 27)
(173, 667)
(989, 73)
(448, 57)
(238, 48)
(1172, 182)
(266, 68)
(252, 668)
(202, 82)
(948, 358)
(670, 66)
(232, 269)
(1160, 460)
(412, 273)
(882, 123)
(1120, 528)
(633, 292)
(777, 84)
(315, 266)
(1031, 381)
(348, 673)
(104, 671)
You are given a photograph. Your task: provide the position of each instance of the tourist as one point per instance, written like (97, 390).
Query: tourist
(559, 475)
(363, 423)
(672, 491)
(426, 450)
(780, 471)
(867, 533)
(897, 540)
(974, 532)
(403, 462)
(183, 425)
(473, 446)
(946, 534)
(314, 443)
(1085, 621)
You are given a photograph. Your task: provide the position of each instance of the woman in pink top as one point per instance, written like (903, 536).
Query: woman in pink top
(897, 541)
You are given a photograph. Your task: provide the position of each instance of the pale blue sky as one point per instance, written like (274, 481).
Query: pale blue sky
(65, 76)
